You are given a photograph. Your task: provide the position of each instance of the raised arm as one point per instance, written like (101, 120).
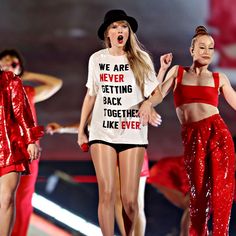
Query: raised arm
(227, 90)
(164, 88)
(48, 85)
(165, 62)
(160, 92)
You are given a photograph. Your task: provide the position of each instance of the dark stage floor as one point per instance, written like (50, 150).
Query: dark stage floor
(81, 198)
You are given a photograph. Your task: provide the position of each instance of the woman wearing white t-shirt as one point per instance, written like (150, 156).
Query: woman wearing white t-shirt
(120, 77)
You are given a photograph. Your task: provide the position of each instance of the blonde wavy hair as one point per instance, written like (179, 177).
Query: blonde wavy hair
(139, 60)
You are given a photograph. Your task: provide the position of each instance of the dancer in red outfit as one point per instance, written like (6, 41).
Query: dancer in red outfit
(169, 176)
(170, 173)
(209, 149)
(18, 148)
(46, 87)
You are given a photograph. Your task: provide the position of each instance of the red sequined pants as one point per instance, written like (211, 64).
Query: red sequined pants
(209, 161)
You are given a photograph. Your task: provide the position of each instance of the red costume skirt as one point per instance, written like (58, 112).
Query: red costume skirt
(22, 167)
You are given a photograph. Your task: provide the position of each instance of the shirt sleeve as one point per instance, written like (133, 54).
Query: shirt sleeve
(91, 81)
(22, 112)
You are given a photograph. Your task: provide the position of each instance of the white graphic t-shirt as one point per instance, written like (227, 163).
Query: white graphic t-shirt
(118, 98)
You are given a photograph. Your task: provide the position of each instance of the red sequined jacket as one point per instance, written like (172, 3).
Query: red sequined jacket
(17, 126)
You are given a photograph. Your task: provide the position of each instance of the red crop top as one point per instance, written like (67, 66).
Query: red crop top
(195, 94)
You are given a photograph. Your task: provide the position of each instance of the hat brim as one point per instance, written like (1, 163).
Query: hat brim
(132, 22)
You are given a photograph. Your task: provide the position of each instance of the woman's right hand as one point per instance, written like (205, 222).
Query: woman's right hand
(34, 151)
(82, 140)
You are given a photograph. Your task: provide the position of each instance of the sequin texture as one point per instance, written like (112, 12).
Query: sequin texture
(17, 126)
(209, 161)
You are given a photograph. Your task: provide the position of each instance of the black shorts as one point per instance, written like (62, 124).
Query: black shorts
(119, 147)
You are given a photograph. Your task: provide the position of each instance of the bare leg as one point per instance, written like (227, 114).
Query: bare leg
(105, 162)
(180, 200)
(8, 186)
(118, 206)
(131, 161)
(185, 223)
(140, 226)
(24, 196)
(176, 197)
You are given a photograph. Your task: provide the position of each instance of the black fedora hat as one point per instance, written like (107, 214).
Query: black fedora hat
(116, 15)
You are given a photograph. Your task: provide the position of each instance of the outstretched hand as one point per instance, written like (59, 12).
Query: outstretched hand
(53, 127)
